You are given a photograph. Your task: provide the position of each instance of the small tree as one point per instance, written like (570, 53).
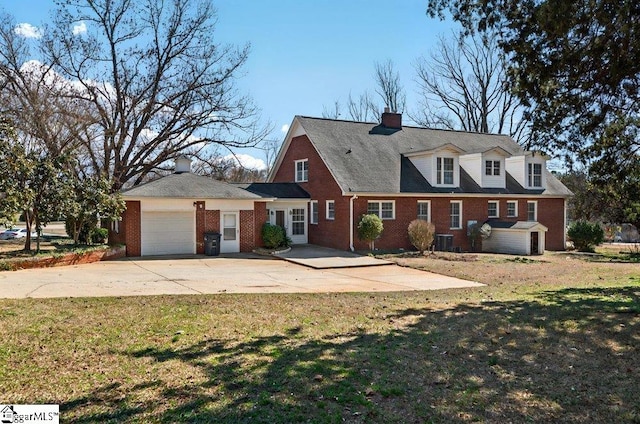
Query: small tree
(90, 202)
(421, 234)
(369, 229)
(585, 236)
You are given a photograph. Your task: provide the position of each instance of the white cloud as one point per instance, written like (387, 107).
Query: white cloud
(79, 28)
(27, 30)
(284, 128)
(247, 161)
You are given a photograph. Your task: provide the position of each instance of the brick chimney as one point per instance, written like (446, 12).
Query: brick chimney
(391, 119)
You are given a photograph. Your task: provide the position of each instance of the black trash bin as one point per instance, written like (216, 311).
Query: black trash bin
(212, 244)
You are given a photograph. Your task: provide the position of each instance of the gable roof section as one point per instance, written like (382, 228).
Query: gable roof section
(189, 186)
(367, 158)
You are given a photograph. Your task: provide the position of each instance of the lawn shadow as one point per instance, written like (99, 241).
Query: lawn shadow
(568, 356)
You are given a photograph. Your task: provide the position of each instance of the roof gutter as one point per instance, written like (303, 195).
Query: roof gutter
(355, 196)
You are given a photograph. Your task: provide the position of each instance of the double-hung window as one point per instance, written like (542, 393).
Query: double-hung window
(444, 168)
(331, 210)
(493, 209)
(535, 175)
(512, 208)
(314, 212)
(297, 221)
(492, 167)
(385, 209)
(302, 171)
(532, 210)
(455, 214)
(423, 210)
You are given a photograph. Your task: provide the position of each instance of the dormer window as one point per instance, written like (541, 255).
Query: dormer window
(535, 174)
(444, 171)
(492, 167)
(302, 171)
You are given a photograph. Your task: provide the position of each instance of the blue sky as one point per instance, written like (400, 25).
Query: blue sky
(306, 54)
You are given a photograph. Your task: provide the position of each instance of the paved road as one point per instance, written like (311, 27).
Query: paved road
(201, 274)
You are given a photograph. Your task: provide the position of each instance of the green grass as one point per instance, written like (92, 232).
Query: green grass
(532, 351)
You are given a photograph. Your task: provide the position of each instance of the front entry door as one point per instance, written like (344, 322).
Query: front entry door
(230, 239)
(280, 219)
(535, 250)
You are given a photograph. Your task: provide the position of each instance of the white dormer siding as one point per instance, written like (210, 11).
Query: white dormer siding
(528, 170)
(441, 168)
(492, 176)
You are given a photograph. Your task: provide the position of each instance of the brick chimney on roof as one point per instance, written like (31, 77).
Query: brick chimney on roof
(391, 119)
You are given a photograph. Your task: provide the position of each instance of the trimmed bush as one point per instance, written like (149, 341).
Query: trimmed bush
(274, 236)
(369, 228)
(585, 236)
(421, 234)
(99, 235)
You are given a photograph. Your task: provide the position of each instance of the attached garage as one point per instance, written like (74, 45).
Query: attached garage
(515, 238)
(171, 215)
(168, 233)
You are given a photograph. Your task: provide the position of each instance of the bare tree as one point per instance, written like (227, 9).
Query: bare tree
(155, 81)
(464, 86)
(364, 108)
(388, 86)
(36, 99)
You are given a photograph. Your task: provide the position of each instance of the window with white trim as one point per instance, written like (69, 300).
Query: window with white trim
(535, 174)
(424, 207)
(331, 210)
(302, 170)
(385, 209)
(493, 209)
(512, 208)
(297, 221)
(314, 212)
(492, 167)
(455, 214)
(444, 170)
(532, 210)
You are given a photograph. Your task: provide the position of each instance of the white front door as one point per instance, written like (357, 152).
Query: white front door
(297, 229)
(230, 239)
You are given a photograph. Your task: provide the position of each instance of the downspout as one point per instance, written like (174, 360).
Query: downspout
(351, 222)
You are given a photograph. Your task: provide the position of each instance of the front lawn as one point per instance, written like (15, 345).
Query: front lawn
(549, 339)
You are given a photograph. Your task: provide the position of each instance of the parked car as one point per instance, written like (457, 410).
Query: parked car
(15, 233)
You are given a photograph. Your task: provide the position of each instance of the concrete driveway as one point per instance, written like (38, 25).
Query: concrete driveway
(202, 274)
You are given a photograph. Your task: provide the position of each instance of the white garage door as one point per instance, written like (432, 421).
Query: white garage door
(168, 233)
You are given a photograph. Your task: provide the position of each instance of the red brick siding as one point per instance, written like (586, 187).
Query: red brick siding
(322, 187)
(212, 221)
(247, 231)
(130, 229)
(200, 224)
(260, 217)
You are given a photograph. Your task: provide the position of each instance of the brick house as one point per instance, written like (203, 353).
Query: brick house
(454, 179)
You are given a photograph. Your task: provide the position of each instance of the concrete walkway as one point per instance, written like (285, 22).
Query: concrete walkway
(318, 257)
(209, 275)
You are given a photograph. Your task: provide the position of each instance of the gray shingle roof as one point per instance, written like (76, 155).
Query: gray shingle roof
(190, 186)
(278, 190)
(367, 157)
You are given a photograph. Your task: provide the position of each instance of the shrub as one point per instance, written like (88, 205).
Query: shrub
(585, 236)
(421, 234)
(369, 228)
(274, 236)
(99, 235)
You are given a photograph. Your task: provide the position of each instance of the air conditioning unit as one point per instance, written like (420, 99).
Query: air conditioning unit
(444, 242)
